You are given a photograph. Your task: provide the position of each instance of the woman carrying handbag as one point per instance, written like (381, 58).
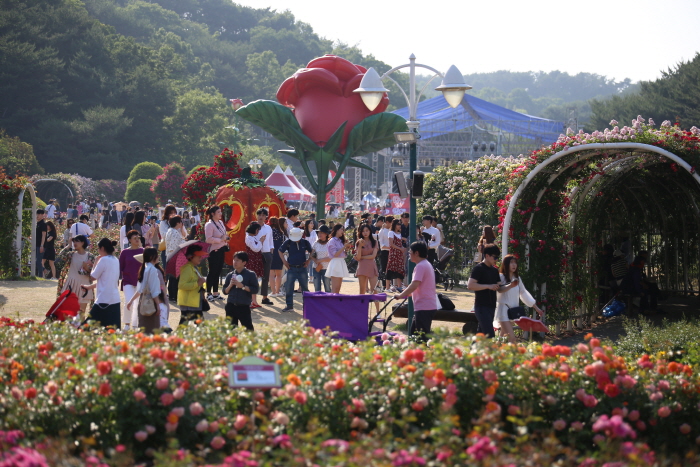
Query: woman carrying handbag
(151, 297)
(510, 292)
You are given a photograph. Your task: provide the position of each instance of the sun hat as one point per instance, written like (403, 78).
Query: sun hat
(295, 234)
(324, 229)
(139, 257)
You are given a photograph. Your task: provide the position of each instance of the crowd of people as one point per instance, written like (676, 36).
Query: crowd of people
(298, 250)
(276, 248)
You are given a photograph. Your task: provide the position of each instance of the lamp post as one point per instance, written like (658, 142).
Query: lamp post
(255, 164)
(371, 90)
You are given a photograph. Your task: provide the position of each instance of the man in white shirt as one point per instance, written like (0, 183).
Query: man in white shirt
(432, 237)
(81, 228)
(50, 210)
(267, 249)
(383, 239)
(292, 217)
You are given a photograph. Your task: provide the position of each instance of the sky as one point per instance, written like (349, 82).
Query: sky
(618, 39)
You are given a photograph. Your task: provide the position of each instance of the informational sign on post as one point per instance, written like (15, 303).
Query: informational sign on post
(254, 373)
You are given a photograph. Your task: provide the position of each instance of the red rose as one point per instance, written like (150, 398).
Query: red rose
(104, 368)
(322, 98)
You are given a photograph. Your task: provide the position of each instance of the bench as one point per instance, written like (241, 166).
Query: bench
(452, 316)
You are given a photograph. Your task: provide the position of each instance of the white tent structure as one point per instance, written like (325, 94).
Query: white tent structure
(292, 178)
(280, 182)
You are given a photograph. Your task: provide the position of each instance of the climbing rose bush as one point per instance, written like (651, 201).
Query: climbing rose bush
(168, 185)
(476, 398)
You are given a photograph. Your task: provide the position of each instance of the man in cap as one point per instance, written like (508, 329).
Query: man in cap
(296, 264)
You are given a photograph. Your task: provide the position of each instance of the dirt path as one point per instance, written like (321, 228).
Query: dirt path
(32, 299)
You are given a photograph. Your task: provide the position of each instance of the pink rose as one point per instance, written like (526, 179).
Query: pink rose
(281, 418)
(162, 384)
(196, 408)
(202, 426)
(141, 436)
(241, 422)
(218, 442)
(167, 399)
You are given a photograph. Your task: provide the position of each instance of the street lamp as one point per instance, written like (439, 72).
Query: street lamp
(255, 164)
(371, 90)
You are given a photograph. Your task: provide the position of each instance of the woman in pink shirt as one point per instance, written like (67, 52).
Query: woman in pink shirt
(216, 235)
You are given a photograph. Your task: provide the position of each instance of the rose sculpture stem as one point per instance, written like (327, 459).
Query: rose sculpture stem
(329, 125)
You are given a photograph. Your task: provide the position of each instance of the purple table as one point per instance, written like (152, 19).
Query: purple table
(346, 314)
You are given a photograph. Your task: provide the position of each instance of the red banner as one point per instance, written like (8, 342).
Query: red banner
(337, 194)
(399, 205)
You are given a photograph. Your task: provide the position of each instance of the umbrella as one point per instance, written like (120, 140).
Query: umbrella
(133, 204)
(177, 259)
(531, 325)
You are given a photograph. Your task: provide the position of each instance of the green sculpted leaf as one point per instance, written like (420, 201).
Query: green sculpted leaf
(374, 133)
(334, 141)
(352, 162)
(279, 121)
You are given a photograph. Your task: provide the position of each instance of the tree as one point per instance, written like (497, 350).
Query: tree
(674, 97)
(266, 74)
(197, 126)
(144, 171)
(140, 190)
(167, 187)
(17, 157)
(270, 159)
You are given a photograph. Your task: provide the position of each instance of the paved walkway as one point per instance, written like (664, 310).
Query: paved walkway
(31, 300)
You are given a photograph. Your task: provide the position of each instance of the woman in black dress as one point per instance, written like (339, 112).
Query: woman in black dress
(276, 268)
(50, 248)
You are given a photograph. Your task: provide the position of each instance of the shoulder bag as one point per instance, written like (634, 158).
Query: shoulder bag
(517, 312)
(147, 306)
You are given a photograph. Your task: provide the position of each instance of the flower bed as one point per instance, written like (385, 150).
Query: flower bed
(396, 404)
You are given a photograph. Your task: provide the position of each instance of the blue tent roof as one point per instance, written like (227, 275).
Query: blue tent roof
(434, 115)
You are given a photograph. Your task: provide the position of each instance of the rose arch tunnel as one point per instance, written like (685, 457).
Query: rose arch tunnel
(579, 199)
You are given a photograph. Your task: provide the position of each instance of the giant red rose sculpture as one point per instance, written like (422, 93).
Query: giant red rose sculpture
(329, 124)
(322, 98)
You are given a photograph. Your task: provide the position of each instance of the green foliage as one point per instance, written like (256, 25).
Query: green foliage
(374, 133)
(674, 340)
(10, 188)
(266, 74)
(270, 159)
(279, 121)
(140, 190)
(17, 157)
(144, 171)
(465, 197)
(204, 116)
(675, 97)
(109, 83)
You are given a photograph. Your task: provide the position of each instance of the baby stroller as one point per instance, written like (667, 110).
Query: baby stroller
(444, 255)
(65, 307)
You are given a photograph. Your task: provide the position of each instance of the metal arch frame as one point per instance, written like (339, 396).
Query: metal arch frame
(18, 231)
(612, 147)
